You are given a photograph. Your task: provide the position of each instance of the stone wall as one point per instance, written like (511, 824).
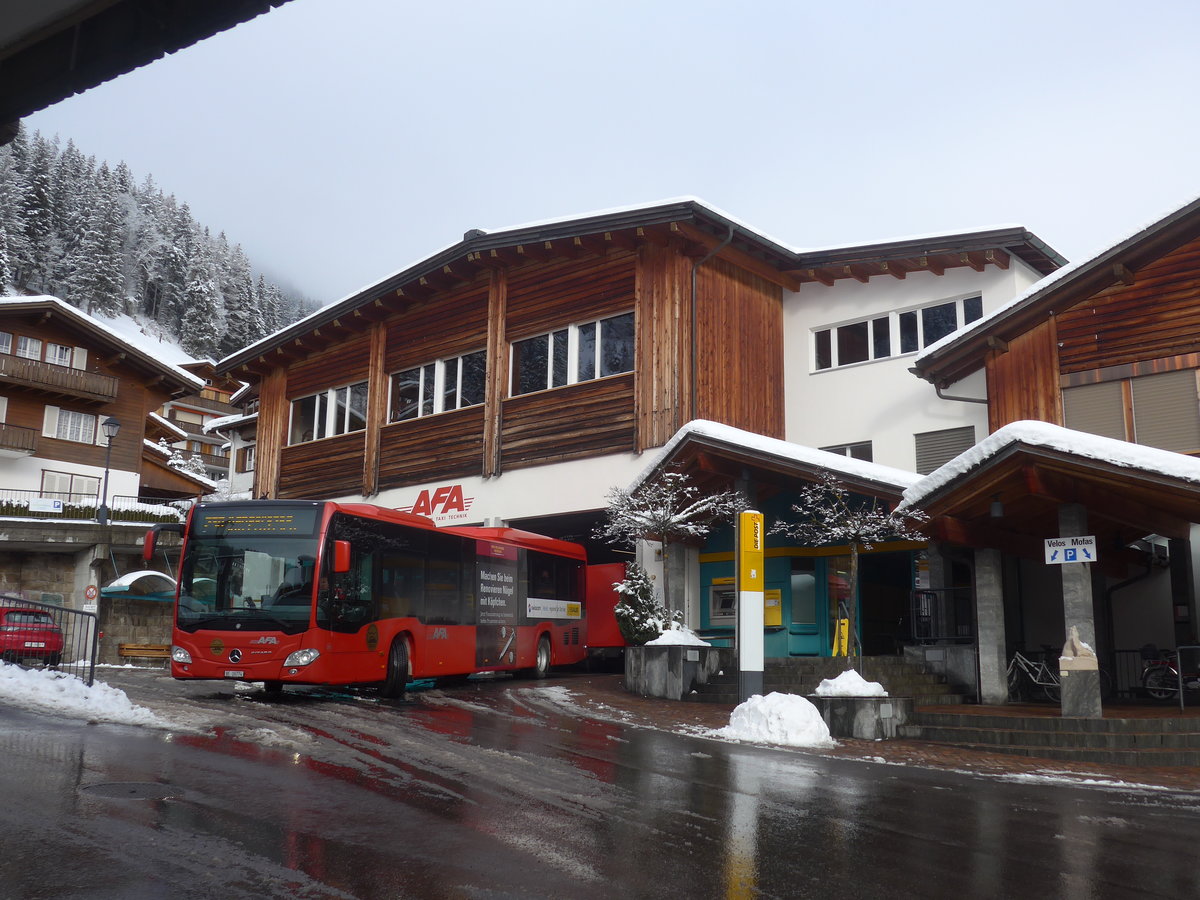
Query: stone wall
(41, 577)
(128, 621)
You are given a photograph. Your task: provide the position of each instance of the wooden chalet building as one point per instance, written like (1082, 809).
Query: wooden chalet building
(518, 375)
(1107, 347)
(62, 375)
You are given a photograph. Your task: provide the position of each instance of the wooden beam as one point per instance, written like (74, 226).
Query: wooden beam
(1122, 274)
(974, 260)
(999, 258)
(856, 273)
(741, 258)
(895, 268)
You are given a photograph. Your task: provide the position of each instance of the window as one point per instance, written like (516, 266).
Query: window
(70, 488)
(58, 354)
(936, 448)
(5, 342)
(29, 348)
(336, 411)
(574, 354)
(854, 451)
(441, 386)
(874, 338)
(76, 426)
(245, 458)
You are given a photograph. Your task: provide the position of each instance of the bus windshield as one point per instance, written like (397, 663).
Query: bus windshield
(247, 581)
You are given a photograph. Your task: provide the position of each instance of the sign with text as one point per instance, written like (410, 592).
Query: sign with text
(1063, 550)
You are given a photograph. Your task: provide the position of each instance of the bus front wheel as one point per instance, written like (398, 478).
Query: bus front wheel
(397, 669)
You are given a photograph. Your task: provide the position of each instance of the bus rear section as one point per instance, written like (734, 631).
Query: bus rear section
(302, 592)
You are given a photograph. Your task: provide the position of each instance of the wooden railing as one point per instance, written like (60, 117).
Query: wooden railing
(16, 437)
(47, 376)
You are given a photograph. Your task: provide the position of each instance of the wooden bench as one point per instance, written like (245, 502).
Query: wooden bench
(144, 651)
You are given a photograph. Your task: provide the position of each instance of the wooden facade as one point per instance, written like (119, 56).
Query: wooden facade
(106, 378)
(511, 295)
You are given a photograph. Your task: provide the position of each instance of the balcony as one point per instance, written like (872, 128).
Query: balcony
(16, 441)
(60, 381)
(78, 507)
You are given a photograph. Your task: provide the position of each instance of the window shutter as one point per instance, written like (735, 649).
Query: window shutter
(1096, 409)
(936, 448)
(1166, 412)
(79, 360)
(3, 408)
(50, 422)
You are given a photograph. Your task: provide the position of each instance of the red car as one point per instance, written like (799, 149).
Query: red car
(29, 634)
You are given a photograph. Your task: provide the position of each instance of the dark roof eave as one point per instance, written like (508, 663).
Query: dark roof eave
(1020, 242)
(959, 358)
(661, 214)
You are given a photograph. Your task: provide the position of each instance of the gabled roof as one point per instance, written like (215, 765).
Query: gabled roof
(704, 443)
(962, 352)
(700, 227)
(1032, 468)
(176, 380)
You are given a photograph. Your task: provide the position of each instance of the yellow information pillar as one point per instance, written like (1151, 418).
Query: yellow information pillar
(750, 581)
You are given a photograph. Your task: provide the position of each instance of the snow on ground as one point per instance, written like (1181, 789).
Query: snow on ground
(777, 718)
(50, 691)
(849, 684)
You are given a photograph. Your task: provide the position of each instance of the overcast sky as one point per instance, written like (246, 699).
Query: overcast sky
(340, 140)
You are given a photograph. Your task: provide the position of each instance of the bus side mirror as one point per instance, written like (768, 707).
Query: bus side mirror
(341, 557)
(150, 542)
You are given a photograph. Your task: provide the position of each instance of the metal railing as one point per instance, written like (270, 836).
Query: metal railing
(79, 507)
(80, 640)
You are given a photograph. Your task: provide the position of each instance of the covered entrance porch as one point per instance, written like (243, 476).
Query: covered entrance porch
(1031, 481)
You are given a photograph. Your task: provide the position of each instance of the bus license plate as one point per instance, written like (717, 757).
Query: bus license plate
(35, 643)
(231, 673)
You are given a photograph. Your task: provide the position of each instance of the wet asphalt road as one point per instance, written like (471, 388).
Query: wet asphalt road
(510, 789)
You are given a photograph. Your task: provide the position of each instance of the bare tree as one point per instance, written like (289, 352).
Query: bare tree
(668, 509)
(830, 515)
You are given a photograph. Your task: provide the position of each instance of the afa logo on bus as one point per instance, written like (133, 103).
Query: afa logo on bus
(445, 502)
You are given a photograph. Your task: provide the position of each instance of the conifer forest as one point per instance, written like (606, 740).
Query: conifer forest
(92, 235)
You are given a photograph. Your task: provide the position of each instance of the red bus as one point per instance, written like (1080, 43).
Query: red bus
(314, 592)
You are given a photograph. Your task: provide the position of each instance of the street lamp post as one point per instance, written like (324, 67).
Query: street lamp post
(110, 427)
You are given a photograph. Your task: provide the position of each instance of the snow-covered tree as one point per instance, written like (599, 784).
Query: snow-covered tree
(829, 515)
(669, 509)
(640, 617)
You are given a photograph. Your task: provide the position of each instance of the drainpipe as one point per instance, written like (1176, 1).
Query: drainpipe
(695, 365)
(941, 396)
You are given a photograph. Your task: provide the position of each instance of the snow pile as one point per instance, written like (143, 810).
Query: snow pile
(778, 719)
(679, 635)
(48, 691)
(850, 684)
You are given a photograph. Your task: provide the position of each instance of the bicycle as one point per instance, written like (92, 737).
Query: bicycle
(1160, 675)
(1022, 671)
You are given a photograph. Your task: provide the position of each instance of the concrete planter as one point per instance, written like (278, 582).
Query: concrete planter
(669, 671)
(869, 718)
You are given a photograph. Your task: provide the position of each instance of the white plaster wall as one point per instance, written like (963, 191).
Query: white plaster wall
(881, 401)
(566, 487)
(25, 474)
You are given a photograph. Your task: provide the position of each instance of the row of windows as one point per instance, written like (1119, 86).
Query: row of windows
(892, 334)
(570, 355)
(31, 348)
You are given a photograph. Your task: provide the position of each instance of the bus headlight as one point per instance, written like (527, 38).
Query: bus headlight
(302, 657)
(179, 655)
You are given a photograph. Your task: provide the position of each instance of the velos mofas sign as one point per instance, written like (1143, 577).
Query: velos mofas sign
(445, 504)
(1063, 550)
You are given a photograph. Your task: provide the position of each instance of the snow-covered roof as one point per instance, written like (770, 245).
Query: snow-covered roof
(215, 425)
(786, 451)
(1110, 451)
(168, 425)
(1056, 279)
(156, 447)
(147, 350)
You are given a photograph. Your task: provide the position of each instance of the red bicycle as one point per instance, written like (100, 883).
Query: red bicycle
(1160, 676)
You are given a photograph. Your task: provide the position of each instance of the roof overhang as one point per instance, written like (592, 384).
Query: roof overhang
(960, 354)
(1031, 469)
(51, 49)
